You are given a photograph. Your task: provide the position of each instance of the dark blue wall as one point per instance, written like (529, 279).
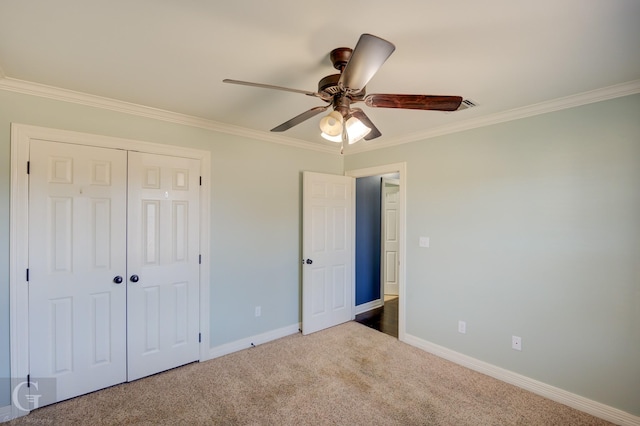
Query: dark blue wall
(367, 239)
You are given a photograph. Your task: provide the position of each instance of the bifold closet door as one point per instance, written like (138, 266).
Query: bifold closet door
(77, 266)
(113, 265)
(163, 264)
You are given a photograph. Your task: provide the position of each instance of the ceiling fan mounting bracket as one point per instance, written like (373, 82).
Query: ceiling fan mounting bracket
(340, 56)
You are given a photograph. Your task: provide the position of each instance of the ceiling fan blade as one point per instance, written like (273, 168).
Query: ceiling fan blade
(299, 118)
(366, 59)
(270, 86)
(360, 115)
(425, 102)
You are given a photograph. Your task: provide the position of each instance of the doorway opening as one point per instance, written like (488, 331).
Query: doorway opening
(379, 248)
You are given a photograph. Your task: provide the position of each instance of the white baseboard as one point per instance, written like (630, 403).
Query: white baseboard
(364, 307)
(5, 414)
(248, 342)
(553, 393)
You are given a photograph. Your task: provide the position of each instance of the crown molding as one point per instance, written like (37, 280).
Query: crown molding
(603, 94)
(41, 90)
(55, 93)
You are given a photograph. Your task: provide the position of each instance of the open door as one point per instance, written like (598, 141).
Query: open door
(327, 249)
(390, 235)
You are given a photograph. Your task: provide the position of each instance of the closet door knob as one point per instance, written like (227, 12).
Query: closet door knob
(117, 279)
(134, 278)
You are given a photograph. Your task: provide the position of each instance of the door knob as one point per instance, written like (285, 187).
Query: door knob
(134, 278)
(117, 279)
(309, 261)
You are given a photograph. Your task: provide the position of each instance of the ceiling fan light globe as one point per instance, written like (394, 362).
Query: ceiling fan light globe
(331, 124)
(335, 138)
(356, 130)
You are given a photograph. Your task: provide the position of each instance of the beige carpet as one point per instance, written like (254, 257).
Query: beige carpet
(346, 375)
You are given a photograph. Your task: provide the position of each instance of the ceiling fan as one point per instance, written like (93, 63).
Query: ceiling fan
(357, 66)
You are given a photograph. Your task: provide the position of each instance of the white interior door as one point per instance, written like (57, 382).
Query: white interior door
(390, 235)
(327, 271)
(163, 263)
(77, 248)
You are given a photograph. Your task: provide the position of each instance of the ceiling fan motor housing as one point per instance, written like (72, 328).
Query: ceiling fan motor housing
(329, 85)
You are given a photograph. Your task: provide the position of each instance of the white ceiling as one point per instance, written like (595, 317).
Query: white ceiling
(173, 54)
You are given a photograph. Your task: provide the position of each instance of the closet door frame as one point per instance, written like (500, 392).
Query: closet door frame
(21, 135)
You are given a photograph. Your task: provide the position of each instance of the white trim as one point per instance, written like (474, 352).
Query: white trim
(553, 393)
(603, 94)
(21, 135)
(353, 248)
(401, 169)
(252, 341)
(205, 252)
(50, 92)
(368, 306)
(18, 261)
(5, 412)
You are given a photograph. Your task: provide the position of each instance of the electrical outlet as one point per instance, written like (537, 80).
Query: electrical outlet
(462, 327)
(258, 311)
(516, 343)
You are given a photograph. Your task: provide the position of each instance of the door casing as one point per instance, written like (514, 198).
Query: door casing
(21, 135)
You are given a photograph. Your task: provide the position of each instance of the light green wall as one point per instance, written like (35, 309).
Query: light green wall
(255, 205)
(534, 228)
(535, 232)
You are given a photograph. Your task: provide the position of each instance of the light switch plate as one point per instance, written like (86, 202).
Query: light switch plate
(424, 242)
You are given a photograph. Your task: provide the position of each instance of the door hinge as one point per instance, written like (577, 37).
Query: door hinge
(28, 166)
(199, 337)
(199, 259)
(28, 380)
(27, 274)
